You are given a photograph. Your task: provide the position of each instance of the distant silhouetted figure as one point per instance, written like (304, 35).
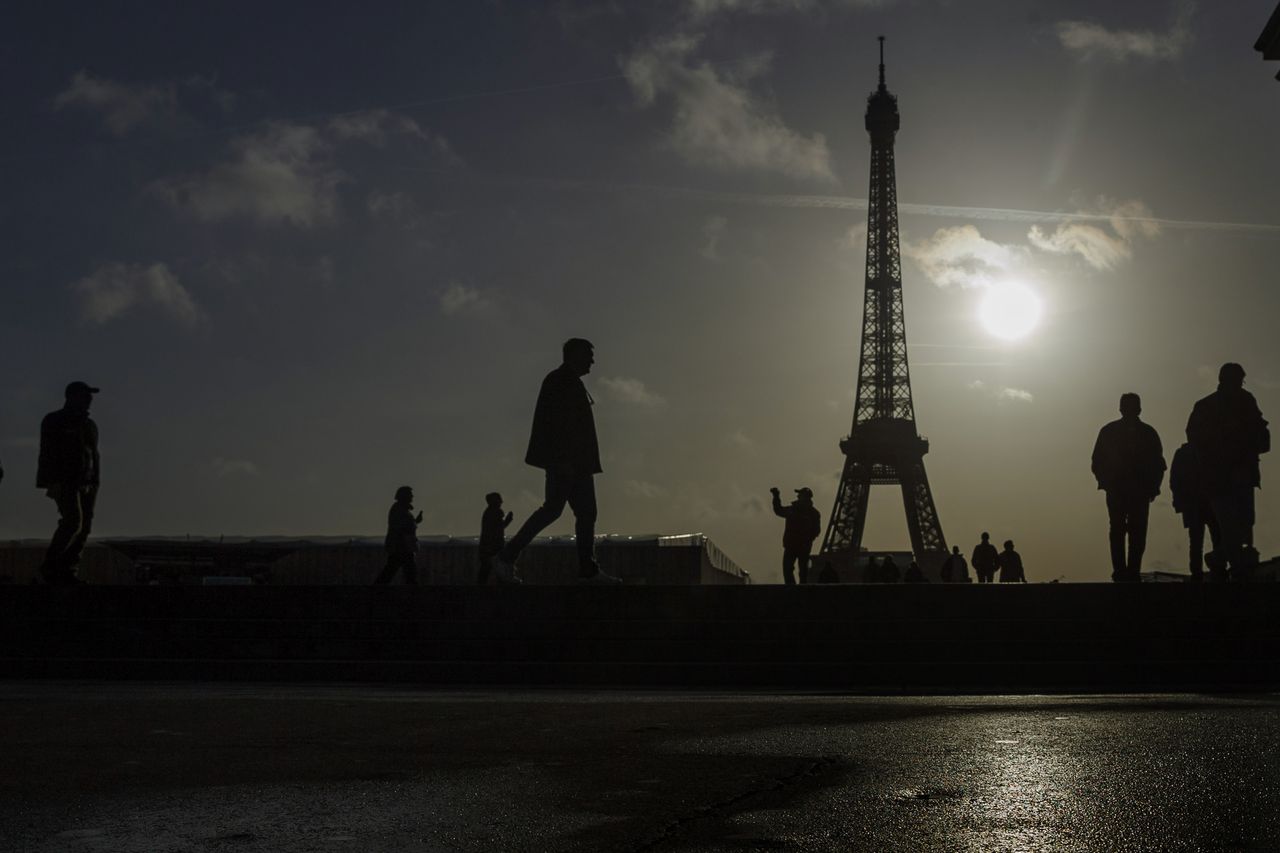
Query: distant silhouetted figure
(804, 523)
(1010, 563)
(872, 573)
(1128, 462)
(914, 574)
(1191, 501)
(955, 570)
(1228, 433)
(984, 560)
(68, 471)
(828, 573)
(563, 443)
(889, 572)
(402, 539)
(493, 535)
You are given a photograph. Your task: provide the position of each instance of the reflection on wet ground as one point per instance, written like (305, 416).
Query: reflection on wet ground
(149, 767)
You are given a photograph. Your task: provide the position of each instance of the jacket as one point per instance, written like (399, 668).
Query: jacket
(1228, 433)
(564, 430)
(1129, 459)
(402, 530)
(68, 450)
(804, 523)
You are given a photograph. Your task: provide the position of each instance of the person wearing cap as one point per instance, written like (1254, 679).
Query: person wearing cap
(803, 526)
(69, 471)
(1227, 431)
(402, 539)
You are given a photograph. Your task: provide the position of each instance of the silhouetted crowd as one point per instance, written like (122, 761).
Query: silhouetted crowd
(1213, 477)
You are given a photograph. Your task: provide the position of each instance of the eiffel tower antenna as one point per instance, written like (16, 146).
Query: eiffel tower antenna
(884, 446)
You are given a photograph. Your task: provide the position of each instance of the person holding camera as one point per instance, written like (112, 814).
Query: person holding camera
(803, 526)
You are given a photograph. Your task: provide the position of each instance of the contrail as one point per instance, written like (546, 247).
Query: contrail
(828, 202)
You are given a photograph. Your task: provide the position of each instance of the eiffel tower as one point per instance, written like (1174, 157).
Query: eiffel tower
(884, 447)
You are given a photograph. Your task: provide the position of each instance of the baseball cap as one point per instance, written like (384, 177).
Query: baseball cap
(804, 492)
(79, 387)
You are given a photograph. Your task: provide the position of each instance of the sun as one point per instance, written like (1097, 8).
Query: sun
(1010, 311)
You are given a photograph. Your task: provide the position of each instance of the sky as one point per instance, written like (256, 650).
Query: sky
(314, 251)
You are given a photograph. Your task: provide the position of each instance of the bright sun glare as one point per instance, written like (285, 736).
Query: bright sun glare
(1010, 311)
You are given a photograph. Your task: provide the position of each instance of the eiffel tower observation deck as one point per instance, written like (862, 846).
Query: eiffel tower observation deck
(884, 446)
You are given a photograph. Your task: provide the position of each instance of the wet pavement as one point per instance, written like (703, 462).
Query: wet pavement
(119, 767)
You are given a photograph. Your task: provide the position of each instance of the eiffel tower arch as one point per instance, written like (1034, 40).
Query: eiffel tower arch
(884, 446)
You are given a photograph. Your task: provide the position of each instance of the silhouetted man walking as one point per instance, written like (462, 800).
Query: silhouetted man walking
(563, 443)
(984, 560)
(1128, 462)
(804, 523)
(68, 471)
(1228, 433)
(955, 570)
(1191, 501)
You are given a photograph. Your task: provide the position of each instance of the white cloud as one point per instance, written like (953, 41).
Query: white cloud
(123, 107)
(631, 391)
(1089, 40)
(961, 256)
(285, 173)
(115, 289)
(712, 230)
(1100, 249)
(743, 442)
(376, 127)
(643, 489)
(397, 205)
(717, 122)
(1002, 393)
(233, 467)
(457, 298)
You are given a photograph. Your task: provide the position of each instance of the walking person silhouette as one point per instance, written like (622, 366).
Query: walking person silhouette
(563, 443)
(1010, 562)
(493, 535)
(1128, 462)
(1228, 433)
(984, 559)
(68, 471)
(1191, 501)
(402, 539)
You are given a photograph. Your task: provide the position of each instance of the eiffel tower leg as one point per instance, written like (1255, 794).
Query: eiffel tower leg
(849, 515)
(922, 516)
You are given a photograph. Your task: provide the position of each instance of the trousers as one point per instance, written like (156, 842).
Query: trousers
(563, 486)
(75, 521)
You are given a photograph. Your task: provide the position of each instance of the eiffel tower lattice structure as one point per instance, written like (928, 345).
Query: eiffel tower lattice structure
(884, 446)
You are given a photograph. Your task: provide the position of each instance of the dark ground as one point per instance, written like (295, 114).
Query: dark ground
(127, 767)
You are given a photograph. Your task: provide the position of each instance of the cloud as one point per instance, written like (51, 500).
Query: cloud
(961, 256)
(643, 489)
(743, 442)
(378, 127)
(1100, 249)
(115, 289)
(1089, 40)
(457, 298)
(716, 121)
(123, 107)
(1002, 393)
(631, 391)
(701, 10)
(712, 230)
(285, 173)
(233, 467)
